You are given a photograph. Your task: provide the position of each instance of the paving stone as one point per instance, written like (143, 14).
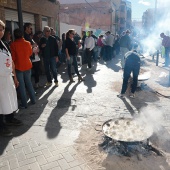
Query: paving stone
(52, 147)
(15, 141)
(21, 144)
(39, 148)
(72, 151)
(56, 168)
(27, 150)
(41, 160)
(27, 161)
(47, 153)
(31, 155)
(68, 157)
(63, 164)
(7, 158)
(27, 167)
(33, 144)
(5, 168)
(54, 158)
(14, 151)
(85, 167)
(13, 163)
(3, 163)
(75, 168)
(75, 163)
(21, 156)
(57, 152)
(50, 165)
(9, 147)
(35, 166)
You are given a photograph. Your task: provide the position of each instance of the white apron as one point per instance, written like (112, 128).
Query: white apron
(8, 97)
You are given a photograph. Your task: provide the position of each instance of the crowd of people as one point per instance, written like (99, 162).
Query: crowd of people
(30, 53)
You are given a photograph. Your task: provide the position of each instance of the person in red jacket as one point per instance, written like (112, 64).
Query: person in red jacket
(21, 51)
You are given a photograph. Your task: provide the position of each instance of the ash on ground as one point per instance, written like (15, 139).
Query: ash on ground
(129, 149)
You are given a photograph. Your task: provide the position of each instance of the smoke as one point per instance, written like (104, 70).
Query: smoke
(152, 118)
(160, 23)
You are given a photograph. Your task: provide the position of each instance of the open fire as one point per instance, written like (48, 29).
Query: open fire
(128, 137)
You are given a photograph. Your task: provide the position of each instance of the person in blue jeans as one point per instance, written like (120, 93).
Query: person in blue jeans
(49, 47)
(71, 53)
(24, 78)
(21, 51)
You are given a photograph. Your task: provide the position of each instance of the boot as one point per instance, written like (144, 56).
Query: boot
(80, 78)
(71, 80)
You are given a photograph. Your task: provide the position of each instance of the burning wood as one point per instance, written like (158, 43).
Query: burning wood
(127, 137)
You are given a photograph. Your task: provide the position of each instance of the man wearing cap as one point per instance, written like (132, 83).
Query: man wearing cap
(166, 44)
(132, 65)
(125, 46)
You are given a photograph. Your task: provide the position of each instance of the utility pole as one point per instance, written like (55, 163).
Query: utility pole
(20, 17)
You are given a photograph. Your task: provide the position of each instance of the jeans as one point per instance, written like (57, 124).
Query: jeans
(94, 53)
(36, 68)
(24, 78)
(72, 61)
(99, 51)
(50, 65)
(126, 76)
(108, 52)
(167, 51)
(88, 57)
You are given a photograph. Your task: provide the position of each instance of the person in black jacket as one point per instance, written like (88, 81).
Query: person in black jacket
(49, 48)
(132, 65)
(71, 54)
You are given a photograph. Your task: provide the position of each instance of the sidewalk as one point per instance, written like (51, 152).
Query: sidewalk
(58, 131)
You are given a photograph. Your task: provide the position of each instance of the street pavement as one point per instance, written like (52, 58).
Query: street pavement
(46, 140)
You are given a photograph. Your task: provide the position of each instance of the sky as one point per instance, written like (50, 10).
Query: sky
(140, 6)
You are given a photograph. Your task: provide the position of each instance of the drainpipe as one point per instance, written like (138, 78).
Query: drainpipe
(20, 17)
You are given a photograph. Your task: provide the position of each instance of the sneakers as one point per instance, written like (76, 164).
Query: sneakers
(121, 96)
(56, 84)
(14, 122)
(5, 132)
(132, 95)
(48, 84)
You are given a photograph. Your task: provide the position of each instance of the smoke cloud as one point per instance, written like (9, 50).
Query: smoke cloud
(153, 117)
(160, 24)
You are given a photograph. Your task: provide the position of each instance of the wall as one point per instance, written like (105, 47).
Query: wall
(39, 8)
(81, 14)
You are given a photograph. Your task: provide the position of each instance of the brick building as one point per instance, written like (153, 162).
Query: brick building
(40, 13)
(91, 14)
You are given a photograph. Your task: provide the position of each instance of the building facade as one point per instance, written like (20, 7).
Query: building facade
(125, 16)
(97, 15)
(39, 13)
